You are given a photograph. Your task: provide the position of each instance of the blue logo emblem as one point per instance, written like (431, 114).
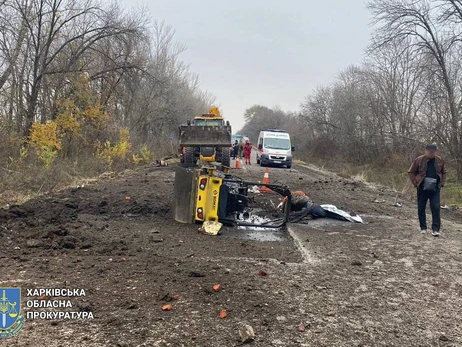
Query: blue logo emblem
(11, 318)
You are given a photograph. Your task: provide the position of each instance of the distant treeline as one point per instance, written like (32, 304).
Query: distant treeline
(408, 91)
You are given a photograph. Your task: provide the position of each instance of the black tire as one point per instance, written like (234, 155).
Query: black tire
(289, 166)
(226, 157)
(258, 161)
(188, 157)
(219, 155)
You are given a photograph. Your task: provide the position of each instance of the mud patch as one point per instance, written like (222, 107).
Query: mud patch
(256, 234)
(354, 285)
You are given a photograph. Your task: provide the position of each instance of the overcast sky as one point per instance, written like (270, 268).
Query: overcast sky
(269, 52)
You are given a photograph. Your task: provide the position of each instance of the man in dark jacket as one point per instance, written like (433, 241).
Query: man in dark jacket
(235, 149)
(428, 174)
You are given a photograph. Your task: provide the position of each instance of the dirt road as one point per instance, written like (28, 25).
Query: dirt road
(376, 284)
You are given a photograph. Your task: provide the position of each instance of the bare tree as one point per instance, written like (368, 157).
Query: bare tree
(396, 77)
(80, 52)
(60, 33)
(13, 33)
(420, 24)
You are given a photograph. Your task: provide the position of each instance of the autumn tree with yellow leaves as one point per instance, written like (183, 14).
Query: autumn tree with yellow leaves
(75, 76)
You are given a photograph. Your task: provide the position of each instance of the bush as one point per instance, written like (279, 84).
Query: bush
(46, 141)
(144, 155)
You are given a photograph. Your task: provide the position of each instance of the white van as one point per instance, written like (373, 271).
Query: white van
(274, 148)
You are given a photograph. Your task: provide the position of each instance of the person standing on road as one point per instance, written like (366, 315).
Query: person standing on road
(235, 149)
(428, 174)
(247, 152)
(241, 148)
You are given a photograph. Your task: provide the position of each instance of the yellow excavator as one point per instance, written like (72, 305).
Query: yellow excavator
(206, 138)
(212, 194)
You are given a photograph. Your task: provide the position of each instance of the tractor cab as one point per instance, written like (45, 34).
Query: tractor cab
(206, 138)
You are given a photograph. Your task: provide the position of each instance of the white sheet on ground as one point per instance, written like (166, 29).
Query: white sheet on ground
(346, 215)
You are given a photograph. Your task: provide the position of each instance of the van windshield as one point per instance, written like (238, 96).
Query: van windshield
(276, 143)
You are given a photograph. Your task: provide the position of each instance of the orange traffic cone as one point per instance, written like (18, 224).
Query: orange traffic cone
(266, 180)
(238, 163)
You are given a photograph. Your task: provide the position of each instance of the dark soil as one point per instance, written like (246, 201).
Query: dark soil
(325, 283)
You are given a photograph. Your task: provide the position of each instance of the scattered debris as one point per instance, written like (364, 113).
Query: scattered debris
(246, 333)
(254, 219)
(211, 228)
(68, 243)
(127, 198)
(262, 273)
(75, 189)
(32, 243)
(356, 263)
(167, 297)
(254, 190)
(352, 217)
(223, 314)
(444, 338)
(301, 328)
(379, 201)
(216, 288)
(160, 163)
(133, 306)
(176, 297)
(196, 274)
(166, 307)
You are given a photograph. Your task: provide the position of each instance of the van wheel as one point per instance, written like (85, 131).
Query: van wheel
(258, 161)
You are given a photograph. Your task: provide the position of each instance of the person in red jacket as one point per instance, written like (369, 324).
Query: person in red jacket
(247, 152)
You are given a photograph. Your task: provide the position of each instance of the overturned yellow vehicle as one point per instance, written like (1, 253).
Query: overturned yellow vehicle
(209, 195)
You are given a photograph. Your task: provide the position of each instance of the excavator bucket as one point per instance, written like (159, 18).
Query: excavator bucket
(184, 194)
(205, 136)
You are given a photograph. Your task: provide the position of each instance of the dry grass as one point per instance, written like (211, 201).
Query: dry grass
(27, 180)
(390, 172)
